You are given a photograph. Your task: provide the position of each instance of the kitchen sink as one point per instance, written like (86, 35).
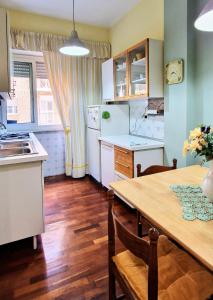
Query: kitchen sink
(14, 152)
(14, 148)
(14, 136)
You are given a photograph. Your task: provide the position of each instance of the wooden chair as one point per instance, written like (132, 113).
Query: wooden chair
(152, 269)
(149, 171)
(155, 169)
(145, 250)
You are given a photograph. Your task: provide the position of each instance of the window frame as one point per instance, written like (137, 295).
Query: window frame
(29, 57)
(33, 102)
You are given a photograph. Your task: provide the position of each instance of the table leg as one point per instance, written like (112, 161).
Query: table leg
(35, 245)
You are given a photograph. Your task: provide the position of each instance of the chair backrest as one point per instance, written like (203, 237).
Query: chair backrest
(146, 250)
(155, 169)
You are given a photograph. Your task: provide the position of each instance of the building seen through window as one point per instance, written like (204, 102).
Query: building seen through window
(31, 99)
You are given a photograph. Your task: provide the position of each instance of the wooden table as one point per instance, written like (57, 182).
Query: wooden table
(152, 196)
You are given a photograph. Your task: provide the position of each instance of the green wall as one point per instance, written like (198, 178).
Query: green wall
(191, 102)
(204, 72)
(175, 46)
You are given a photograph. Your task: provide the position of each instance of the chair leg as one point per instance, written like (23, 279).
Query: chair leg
(139, 224)
(112, 287)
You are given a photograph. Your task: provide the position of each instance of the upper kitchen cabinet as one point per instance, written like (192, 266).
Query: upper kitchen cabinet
(120, 76)
(107, 80)
(114, 78)
(138, 70)
(4, 51)
(145, 69)
(136, 73)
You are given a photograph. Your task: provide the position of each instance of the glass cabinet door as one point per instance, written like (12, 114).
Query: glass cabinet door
(138, 76)
(120, 67)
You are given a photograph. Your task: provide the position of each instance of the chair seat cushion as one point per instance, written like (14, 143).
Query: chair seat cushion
(180, 277)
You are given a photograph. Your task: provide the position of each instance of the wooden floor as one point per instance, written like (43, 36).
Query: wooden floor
(71, 260)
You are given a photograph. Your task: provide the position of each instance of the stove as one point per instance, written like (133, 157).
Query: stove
(14, 136)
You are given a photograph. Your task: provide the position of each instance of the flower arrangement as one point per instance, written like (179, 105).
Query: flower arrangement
(200, 142)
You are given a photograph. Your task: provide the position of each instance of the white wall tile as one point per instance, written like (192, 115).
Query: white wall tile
(152, 126)
(53, 142)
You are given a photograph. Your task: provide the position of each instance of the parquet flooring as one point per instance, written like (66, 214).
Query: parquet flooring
(71, 260)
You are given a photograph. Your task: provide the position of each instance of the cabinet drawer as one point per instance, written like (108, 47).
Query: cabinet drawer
(124, 169)
(124, 161)
(123, 155)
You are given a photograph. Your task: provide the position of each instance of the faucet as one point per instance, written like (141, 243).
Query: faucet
(3, 128)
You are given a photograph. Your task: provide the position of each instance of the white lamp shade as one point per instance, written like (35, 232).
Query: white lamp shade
(74, 46)
(204, 22)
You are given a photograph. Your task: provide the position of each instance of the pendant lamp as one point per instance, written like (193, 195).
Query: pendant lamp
(74, 46)
(204, 22)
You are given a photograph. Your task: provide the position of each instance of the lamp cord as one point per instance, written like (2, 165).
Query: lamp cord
(73, 15)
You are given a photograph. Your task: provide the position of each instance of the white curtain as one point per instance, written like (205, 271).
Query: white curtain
(75, 83)
(37, 41)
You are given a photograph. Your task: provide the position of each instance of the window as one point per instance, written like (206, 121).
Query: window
(20, 108)
(31, 104)
(47, 110)
(12, 109)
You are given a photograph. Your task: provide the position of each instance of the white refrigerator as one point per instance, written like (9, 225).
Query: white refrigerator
(103, 120)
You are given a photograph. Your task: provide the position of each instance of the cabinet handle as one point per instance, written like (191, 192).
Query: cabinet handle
(122, 151)
(126, 166)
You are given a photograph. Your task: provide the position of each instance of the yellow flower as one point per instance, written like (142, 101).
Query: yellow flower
(194, 146)
(186, 147)
(195, 133)
(202, 142)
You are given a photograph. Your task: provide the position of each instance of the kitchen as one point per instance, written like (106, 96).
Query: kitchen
(141, 86)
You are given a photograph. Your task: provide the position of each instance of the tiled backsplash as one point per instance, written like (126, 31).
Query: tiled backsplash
(53, 142)
(152, 126)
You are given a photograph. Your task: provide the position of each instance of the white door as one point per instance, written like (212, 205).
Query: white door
(108, 80)
(21, 201)
(107, 164)
(94, 159)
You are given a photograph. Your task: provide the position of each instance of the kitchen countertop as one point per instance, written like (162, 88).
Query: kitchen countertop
(131, 142)
(40, 154)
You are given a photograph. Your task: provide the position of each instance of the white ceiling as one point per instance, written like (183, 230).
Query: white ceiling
(95, 12)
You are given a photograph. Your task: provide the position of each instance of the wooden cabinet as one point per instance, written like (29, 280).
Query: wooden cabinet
(4, 51)
(120, 76)
(137, 72)
(126, 161)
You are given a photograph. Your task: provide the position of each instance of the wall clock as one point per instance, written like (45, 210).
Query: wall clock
(174, 71)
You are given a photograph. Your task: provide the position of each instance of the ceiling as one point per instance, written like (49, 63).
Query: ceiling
(95, 12)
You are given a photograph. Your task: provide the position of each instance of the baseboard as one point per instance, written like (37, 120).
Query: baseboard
(62, 177)
(55, 178)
